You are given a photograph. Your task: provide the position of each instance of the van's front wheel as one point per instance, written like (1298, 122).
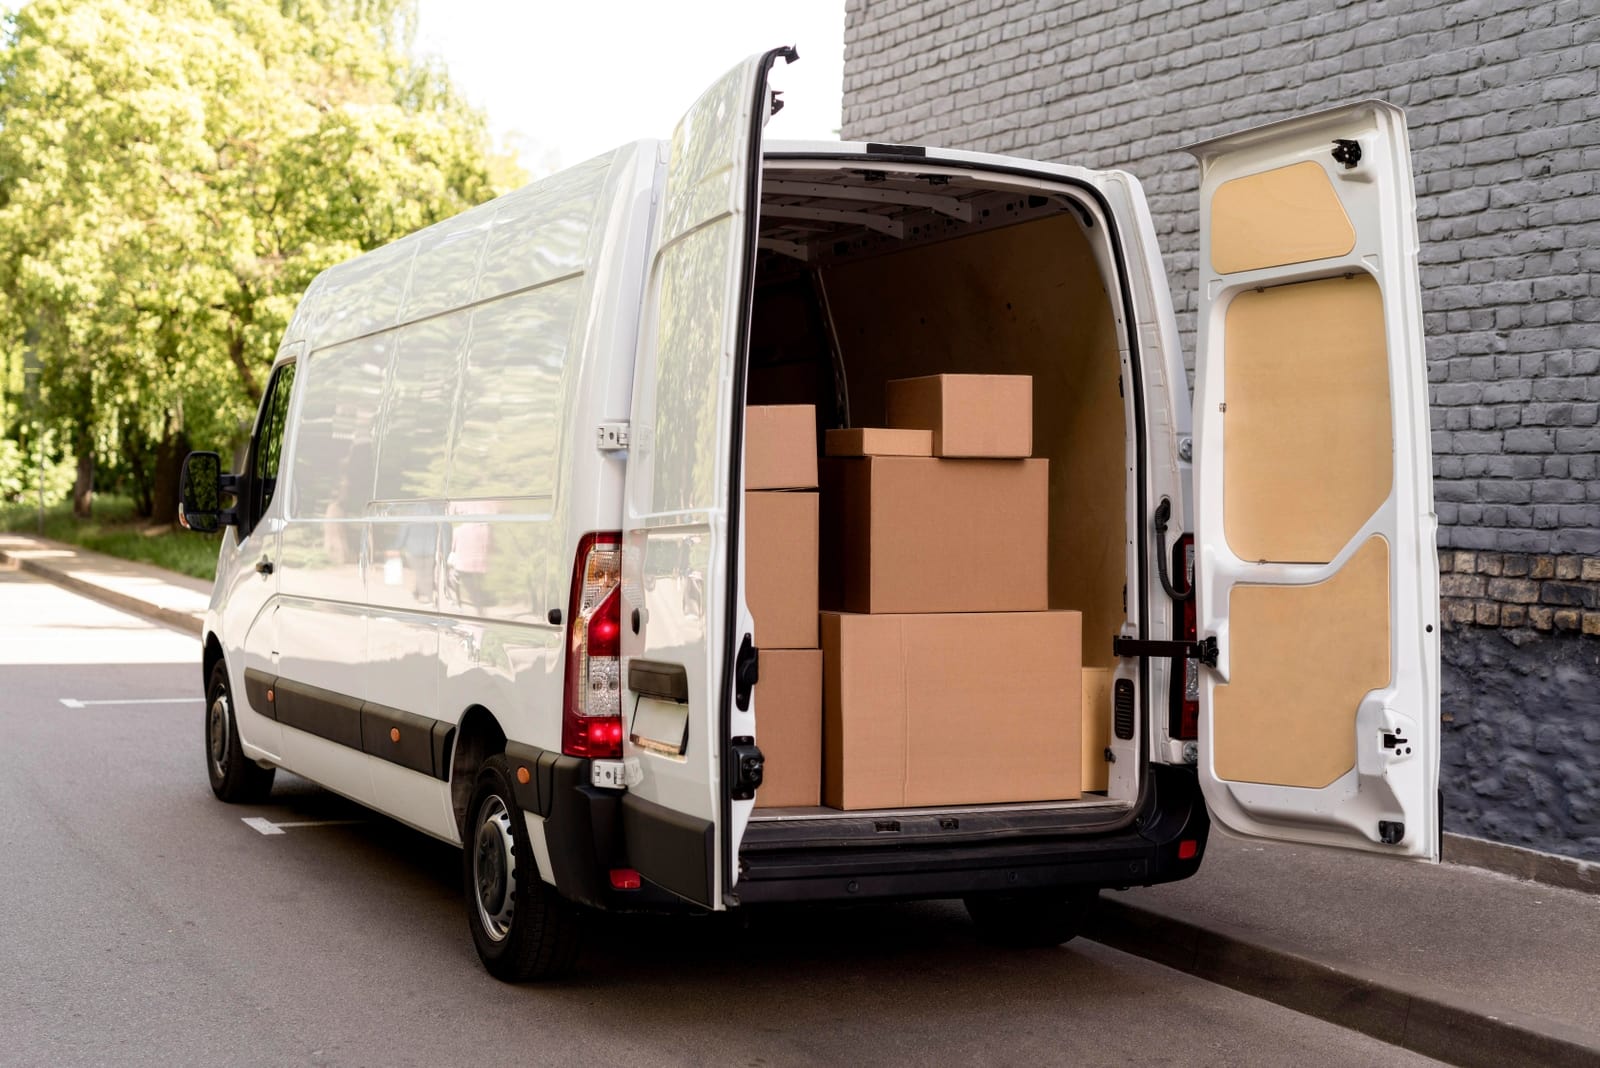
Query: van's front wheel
(523, 929)
(235, 778)
(1030, 920)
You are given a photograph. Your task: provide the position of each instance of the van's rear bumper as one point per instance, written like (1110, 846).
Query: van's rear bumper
(583, 838)
(1026, 858)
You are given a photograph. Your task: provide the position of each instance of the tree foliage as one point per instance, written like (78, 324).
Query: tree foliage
(173, 173)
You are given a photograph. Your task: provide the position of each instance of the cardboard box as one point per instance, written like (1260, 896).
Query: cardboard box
(780, 446)
(916, 534)
(780, 568)
(789, 727)
(878, 441)
(968, 708)
(970, 415)
(1096, 728)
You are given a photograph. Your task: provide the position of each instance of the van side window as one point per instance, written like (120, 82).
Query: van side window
(269, 442)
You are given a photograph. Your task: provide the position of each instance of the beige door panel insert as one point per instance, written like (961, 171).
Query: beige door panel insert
(1288, 719)
(1308, 449)
(1278, 217)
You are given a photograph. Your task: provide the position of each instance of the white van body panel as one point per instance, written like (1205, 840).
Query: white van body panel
(1325, 499)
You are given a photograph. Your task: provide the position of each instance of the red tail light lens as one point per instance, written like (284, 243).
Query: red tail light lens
(592, 712)
(1185, 722)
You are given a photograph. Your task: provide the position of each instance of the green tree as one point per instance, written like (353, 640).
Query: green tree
(173, 173)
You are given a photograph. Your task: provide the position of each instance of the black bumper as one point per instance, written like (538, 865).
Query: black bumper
(584, 836)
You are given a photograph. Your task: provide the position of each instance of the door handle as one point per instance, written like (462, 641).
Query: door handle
(746, 673)
(263, 566)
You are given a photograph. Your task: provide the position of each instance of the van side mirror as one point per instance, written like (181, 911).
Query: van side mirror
(200, 490)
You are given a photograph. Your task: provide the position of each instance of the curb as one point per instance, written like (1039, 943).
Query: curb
(1430, 1023)
(170, 617)
(1553, 869)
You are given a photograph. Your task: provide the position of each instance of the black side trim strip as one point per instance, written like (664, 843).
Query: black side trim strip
(325, 713)
(257, 686)
(415, 742)
(399, 737)
(656, 678)
(671, 849)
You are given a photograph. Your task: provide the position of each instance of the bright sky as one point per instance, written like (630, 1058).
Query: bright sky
(564, 81)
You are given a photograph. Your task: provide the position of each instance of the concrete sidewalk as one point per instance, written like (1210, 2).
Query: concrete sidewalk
(1457, 963)
(143, 589)
(1450, 961)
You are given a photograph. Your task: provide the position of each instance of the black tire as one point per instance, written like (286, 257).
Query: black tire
(1030, 921)
(235, 778)
(523, 929)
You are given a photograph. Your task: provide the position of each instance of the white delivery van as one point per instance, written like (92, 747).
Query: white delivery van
(485, 559)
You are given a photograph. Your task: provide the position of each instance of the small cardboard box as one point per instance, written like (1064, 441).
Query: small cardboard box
(780, 446)
(788, 701)
(970, 415)
(916, 534)
(780, 568)
(1096, 728)
(969, 708)
(878, 441)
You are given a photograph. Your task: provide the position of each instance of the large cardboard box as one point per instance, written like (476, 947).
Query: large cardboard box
(970, 415)
(780, 567)
(915, 534)
(780, 446)
(1096, 728)
(877, 441)
(951, 709)
(789, 727)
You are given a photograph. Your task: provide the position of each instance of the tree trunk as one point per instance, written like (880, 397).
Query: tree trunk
(83, 486)
(170, 452)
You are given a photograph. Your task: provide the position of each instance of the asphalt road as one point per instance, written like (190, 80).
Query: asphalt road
(143, 922)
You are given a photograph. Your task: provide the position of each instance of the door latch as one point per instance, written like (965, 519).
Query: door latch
(748, 767)
(1204, 650)
(746, 673)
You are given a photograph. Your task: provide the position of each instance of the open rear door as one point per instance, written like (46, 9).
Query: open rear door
(1316, 567)
(683, 602)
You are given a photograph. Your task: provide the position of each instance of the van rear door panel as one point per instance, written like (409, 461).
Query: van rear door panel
(682, 574)
(1316, 565)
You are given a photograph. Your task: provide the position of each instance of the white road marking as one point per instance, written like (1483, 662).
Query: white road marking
(74, 702)
(261, 825)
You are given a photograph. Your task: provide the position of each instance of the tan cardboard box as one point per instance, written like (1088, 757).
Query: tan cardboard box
(968, 708)
(915, 534)
(970, 415)
(878, 441)
(780, 446)
(780, 568)
(789, 727)
(1096, 728)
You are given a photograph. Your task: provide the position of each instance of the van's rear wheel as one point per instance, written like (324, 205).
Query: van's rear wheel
(1032, 920)
(523, 929)
(235, 778)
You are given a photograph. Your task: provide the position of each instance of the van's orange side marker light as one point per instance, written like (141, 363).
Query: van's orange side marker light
(269, 696)
(394, 734)
(522, 776)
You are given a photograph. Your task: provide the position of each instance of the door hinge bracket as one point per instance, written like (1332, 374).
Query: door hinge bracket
(611, 436)
(615, 774)
(1204, 650)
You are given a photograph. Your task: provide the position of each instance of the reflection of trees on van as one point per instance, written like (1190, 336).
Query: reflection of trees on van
(689, 336)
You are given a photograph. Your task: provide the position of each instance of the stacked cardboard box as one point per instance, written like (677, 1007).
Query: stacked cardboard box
(780, 522)
(946, 679)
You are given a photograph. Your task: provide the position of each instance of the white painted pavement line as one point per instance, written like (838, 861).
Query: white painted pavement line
(74, 702)
(262, 825)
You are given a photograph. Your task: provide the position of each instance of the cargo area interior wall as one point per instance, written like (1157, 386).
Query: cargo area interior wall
(1013, 288)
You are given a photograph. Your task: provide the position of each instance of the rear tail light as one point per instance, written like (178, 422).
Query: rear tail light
(592, 711)
(1185, 723)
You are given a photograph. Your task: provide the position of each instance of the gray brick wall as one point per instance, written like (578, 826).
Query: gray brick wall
(1504, 107)
(1503, 102)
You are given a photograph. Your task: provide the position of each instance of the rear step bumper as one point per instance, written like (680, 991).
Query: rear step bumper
(1026, 855)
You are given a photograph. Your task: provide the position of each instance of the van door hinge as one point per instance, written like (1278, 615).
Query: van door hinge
(1204, 650)
(611, 436)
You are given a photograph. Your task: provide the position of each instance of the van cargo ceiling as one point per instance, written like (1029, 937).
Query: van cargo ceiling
(822, 216)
